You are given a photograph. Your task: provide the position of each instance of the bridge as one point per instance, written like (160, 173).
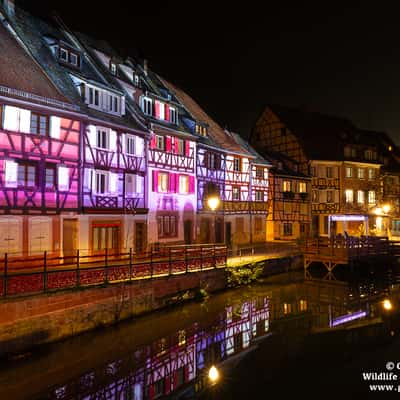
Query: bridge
(340, 250)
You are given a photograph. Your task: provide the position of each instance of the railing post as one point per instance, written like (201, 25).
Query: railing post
(130, 264)
(78, 271)
(186, 261)
(201, 258)
(215, 258)
(45, 271)
(151, 263)
(106, 265)
(5, 278)
(169, 261)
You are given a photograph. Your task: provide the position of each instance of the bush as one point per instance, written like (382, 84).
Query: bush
(244, 275)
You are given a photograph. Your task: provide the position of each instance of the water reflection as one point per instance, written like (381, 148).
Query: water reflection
(173, 360)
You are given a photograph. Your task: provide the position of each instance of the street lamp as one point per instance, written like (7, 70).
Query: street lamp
(213, 375)
(387, 305)
(213, 204)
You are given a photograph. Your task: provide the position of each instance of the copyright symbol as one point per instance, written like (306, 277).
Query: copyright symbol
(390, 366)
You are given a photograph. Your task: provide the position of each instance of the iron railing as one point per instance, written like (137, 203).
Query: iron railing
(47, 272)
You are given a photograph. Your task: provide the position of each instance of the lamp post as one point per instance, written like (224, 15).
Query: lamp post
(213, 204)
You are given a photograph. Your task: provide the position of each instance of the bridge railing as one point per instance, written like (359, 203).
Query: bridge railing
(45, 272)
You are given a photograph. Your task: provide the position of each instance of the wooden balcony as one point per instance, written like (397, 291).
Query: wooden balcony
(245, 206)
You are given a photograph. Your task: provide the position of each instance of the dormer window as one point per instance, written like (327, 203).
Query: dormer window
(63, 54)
(68, 57)
(173, 115)
(113, 68)
(201, 130)
(147, 105)
(136, 79)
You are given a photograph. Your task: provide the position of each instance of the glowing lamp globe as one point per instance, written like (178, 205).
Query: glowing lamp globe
(213, 374)
(386, 208)
(213, 203)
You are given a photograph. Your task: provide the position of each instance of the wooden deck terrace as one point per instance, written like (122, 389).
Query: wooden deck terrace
(341, 250)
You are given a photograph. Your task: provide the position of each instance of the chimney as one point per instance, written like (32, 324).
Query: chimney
(9, 8)
(145, 66)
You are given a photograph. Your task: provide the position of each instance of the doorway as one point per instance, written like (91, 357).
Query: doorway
(70, 236)
(228, 234)
(219, 230)
(187, 231)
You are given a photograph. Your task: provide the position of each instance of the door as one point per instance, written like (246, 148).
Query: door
(219, 238)
(10, 236)
(187, 230)
(140, 237)
(228, 234)
(106, 236)
(70, 236)
(40, 238)
(205, 230)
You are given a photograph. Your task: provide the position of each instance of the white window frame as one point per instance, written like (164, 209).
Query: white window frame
(132, 139)
(349, 195)
(97, 175)
(147, 105)
(183, 184)
(371, 197)
(360, 197)
(107, 138)
(173, 115)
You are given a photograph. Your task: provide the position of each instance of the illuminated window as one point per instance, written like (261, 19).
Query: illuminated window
(371, 173)
(183, 184)
(162, 185)
(349, 172)
(259, 195)
(179, 146)
(39, 124)
(173, 115)
(303, 305)
(360, 196)
(10, 173)
(160, 142)
(287, 308)
(101, 182)
(181, 337)
(287, 186)
(329, 173)
(235, 193)
(50, 177)
(361, 174)
(371, 197)
(236, 164)
(302, 187)
(348, 195)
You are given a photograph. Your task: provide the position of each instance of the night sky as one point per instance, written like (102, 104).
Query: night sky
(235, 58)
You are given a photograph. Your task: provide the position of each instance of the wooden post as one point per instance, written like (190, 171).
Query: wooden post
(186, 261)
(130, 263)
(106, 265)
(78, 271)
(151, 263)
(215, 259)
(5, 275)
(201, 258)
(169, 262)
(45, 271)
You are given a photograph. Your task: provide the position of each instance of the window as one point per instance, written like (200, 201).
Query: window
(160, 142)
(258, 224)
(287, 229)
(368, 154)
(213, 161)
(102, 139)
(101, 182)
(173, 116)
(63, 54)
(347, 151)
(130, 185)
(105, 236)
(201, 130)
(236, 193)
(236, 164)
(136, 79)
(27, 175)
(348, 195)
(147, 106)
(361, 173)
(349, 172)
(303, 208)
(360, 196)
(183, 184)
(329, 173)
(113, 68)
(73, 58)
(259, 195)
(68, 56)
(179, 146)
(303, 305)
(167, 226)
(50, 177)
(287, 187)
(259, 172)
(39, 124)
(329, 196)
(96, 97)
(353, 153)
(130, 144)
(302, 187)
(371, 173)
(315, 196)
(162, 184)
(371, 197)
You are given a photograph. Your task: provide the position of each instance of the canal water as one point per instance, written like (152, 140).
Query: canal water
(286, 335)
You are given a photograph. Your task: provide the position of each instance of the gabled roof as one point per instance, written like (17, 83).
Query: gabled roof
(258, 159)
(18, 70)
(218, 135)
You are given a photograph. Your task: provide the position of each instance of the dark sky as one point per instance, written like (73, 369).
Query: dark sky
(235, 57)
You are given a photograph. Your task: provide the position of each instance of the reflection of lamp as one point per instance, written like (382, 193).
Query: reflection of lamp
(213, 203)
(386, 208)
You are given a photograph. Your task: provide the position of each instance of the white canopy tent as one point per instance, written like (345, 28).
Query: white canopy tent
(346, 218)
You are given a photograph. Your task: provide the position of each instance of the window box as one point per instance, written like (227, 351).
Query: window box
(303, 196)
(288, 195)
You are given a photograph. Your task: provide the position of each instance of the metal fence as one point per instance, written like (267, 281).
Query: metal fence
(46, 272)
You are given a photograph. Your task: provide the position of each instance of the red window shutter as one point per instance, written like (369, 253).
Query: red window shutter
(157, 109)
(191, 184)
(155, 181)
(187, 149)
(168, 143)
(167, 112)
(176, 145)
(171, 183)
(153, 142)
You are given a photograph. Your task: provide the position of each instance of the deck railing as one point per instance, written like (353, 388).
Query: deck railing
(47, 272)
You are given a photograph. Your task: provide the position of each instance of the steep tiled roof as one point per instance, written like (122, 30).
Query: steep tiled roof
(19, 71)
(215, 132)
(258, 159)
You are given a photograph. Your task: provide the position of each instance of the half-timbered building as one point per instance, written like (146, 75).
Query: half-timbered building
(343, 161)
(39, 155)
(112, 152)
